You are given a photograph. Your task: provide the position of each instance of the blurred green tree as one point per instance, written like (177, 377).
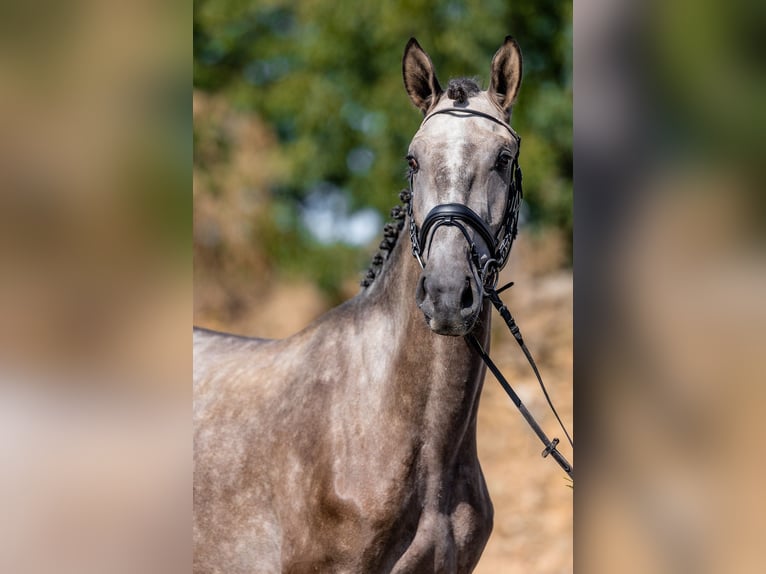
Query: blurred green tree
(325, 76)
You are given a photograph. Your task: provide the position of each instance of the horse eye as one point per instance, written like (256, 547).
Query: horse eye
(501, 163)
(413, 163)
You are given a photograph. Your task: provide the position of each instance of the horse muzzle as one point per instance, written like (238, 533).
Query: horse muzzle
(450, 302)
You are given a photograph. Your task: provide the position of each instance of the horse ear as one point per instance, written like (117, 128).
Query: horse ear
(505, 77)
(419, 77)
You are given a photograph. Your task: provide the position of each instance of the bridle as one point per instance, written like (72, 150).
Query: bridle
(463, 217)
(487, 270)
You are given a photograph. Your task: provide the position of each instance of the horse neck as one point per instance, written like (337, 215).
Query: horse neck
(434, 381)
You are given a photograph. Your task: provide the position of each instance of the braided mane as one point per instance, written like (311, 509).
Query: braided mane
(391, 232)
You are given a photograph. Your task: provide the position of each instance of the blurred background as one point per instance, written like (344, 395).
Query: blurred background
(670, 314)
(97, 152)
(301, 125)
(95, 286)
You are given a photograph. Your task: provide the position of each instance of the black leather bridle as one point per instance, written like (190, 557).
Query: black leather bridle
(487, 271)
(463, 217)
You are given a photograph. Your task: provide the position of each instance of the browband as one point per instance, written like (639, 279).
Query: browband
(463, 113)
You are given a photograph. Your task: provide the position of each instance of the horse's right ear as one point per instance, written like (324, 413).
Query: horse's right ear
(419, 77)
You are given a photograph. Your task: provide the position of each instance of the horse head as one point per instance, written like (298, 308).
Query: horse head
(464, 185)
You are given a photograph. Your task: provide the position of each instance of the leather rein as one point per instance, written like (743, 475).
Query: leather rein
(487, 270)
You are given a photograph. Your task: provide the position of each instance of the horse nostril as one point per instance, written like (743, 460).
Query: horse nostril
(420, 291)
(466, 297)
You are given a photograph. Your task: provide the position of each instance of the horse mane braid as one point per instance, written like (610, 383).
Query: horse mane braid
(391, 232)
(460, 89)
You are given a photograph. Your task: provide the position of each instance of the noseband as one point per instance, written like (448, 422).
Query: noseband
(463, 217)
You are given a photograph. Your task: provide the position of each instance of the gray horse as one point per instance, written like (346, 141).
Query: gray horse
(351, 446)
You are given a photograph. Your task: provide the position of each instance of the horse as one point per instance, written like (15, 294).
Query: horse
(351, 445)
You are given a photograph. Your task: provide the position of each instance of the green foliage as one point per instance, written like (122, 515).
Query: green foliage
(325, 75)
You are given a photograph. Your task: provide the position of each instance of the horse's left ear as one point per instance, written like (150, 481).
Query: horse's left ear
(505, 76)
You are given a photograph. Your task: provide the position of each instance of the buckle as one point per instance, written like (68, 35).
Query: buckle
(551, 447)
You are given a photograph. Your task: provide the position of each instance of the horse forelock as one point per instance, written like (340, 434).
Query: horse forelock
(460, 89)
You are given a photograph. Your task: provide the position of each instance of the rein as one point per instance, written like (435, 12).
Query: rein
(550, 445)
(463, 217)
